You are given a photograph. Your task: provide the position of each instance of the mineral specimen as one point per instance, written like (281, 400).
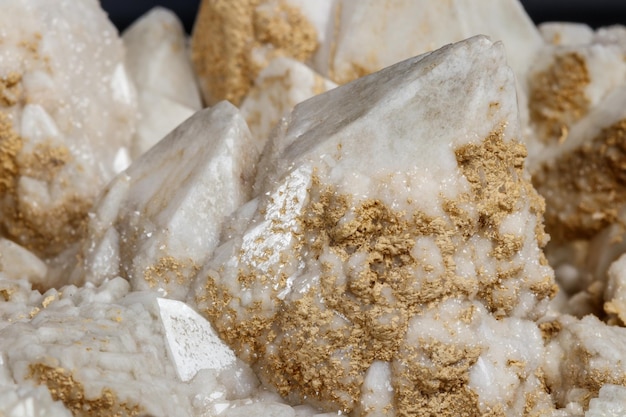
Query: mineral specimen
(159, 65)
(160, 219)
(375, 249)
(67, 114)
(387, 232)
(103, 352)
(233, 40)
(278, 88)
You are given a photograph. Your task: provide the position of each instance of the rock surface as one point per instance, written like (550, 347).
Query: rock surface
(278, 88)
(158, 221)
(233, 40)
(160, 67)
(374, 216)
(67, 111)
(104, 351)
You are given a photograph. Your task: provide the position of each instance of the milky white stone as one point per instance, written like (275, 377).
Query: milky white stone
(615, 34)
(192, 342)
(107, 338)
(159, 64)
(159, 219)
(19, 263)
(278, 88)
(296, 279)
(615, 292)
(582, 216)
(27, 401)
(566, 33)
(65, 91)
(372, 35)
(610, 403)
(584, 356)
(104, 338)
(511, 353)
(159, 115)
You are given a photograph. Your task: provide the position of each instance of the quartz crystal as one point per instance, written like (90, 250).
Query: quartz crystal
(610, 403)
(583, 357)
(371, 35)
(374, 249)
(278, 88)
(67, 112)
(567, 80)
(105, 349)
(160, 67)
(386, 225)
(192, 342)
(158, 221)
(234, 39)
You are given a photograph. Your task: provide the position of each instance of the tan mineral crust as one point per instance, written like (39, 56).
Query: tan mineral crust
(402, 208)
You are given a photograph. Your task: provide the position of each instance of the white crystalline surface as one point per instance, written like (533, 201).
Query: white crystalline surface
(67, 111)
(389, 232)
(371, 35)
(584, 356)
(159, 65)
(278, 88)
(610, 403)
(103, 351)
(192, 342)
(158, 221)
(374, 251)
(30, 402)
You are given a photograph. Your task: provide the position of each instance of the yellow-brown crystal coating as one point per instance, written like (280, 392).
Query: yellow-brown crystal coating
(46, 231)
(557, 96)
(63, 387)
(227, 34)
(586, 188)
(368, 280)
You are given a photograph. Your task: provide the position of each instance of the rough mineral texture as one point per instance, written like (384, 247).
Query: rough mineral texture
(279, 87)
(583, 357)
(159, 65)
(102, 352)
(232, 41)
(159, 220)
(67, 111)
(387, 231)
(567, 81)
(371, 35)
(583, 185)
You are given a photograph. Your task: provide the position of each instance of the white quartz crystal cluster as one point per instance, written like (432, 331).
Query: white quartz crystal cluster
(353, 225)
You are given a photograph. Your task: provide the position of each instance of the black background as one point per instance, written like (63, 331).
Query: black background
(593, 12)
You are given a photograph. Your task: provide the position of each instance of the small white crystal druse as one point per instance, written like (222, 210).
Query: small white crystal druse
(358, 231)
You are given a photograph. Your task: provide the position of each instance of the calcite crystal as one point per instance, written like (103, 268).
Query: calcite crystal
(583, 357)
(371, 35)
(384, 226)
(159, 65)
(103, 352)
(374, 249)
(158, 221)
(233, 40)
(279, 87)
(67, 110)
(569, 77)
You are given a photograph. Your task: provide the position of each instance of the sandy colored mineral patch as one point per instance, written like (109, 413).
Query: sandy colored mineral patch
(226, 35)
